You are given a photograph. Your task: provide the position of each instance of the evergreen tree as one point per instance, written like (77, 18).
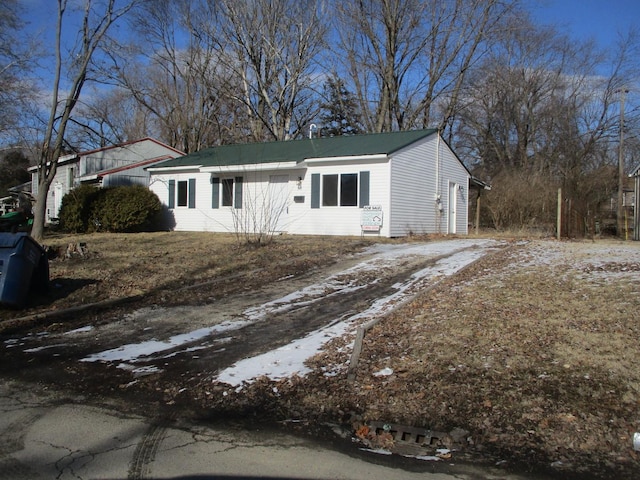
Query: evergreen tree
(340, 112)
(13, 171)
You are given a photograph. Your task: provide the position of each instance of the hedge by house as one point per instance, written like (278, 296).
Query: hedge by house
(75, 210)
(87, 209)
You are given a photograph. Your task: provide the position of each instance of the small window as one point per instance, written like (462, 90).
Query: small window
(183, 196)
(182, 193)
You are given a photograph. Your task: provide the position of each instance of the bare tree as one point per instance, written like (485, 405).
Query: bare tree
(265, 202)
(172, 69)
(404, 56)
(380, 41)
(91, 35)
(539, 112)
(109, 117)
(16, 60)
(271, 48)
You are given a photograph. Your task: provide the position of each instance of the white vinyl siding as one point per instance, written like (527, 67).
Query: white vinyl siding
(404, 186)
(61, 185)
(250, 194)
(420, 175)
(339, 220)
(454, 173)
(413, 187)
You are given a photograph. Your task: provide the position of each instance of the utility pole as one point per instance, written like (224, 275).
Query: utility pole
(620, 210)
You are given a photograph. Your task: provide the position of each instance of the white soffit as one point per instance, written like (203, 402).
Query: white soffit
(252, 167)
(379, 157)
(173, 169)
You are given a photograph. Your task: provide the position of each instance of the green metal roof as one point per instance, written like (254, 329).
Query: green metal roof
(299, 150)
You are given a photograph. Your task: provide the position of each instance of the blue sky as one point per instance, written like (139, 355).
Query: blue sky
(601, 20)
(583, 19)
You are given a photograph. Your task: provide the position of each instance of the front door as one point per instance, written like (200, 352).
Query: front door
(453, 200)
(278, 202)
(57, 200)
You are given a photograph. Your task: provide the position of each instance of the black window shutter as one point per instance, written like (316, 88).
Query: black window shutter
(172, 194)
(315, 190)
(192, 193)
(364, 189)
(215, 192)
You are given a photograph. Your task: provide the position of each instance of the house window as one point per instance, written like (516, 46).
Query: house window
(351, 189)
(182, 193)
(226, 192)
(340, 190)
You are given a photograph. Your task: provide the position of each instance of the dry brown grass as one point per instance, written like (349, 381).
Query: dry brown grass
(158, 265)
(537, 360)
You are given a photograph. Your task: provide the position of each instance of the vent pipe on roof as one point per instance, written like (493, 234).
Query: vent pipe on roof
(312, 127)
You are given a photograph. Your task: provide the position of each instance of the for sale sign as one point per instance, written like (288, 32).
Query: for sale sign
(371, 218)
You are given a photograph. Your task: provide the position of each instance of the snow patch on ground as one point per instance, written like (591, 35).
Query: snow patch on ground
(290, 359)
(583, 255)
(86, 329)
(134, 351)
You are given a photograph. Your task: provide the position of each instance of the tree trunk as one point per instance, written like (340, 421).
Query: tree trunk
(39, 211)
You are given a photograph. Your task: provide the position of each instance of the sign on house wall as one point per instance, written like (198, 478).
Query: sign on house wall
(371, 218)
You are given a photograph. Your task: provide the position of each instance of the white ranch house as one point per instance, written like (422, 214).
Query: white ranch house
(389, 184)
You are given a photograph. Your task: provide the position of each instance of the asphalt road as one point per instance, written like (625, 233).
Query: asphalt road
(47, 435)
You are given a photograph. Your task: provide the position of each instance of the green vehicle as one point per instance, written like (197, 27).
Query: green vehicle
(21, 219)
(16, 222)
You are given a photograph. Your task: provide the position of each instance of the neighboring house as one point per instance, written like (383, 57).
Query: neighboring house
(389, 184)
(109, 166)
(9, 204)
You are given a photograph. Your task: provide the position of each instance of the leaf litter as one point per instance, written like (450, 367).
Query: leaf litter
(531, 351)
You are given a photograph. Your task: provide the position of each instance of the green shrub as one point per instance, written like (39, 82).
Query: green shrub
(75, 210)
(128, 209)
(115, 209)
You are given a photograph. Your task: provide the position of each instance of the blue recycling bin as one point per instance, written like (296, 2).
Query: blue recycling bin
(23, 266)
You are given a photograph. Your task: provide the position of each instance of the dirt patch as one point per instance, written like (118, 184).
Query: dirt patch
(524, 358)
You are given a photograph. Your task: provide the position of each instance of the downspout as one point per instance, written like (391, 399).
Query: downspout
(636, 211)
(438, 199)
(438, 166)
(478, 211)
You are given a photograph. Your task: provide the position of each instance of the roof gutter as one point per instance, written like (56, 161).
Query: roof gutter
(479, 183)
(89, 178)
(72, 157)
